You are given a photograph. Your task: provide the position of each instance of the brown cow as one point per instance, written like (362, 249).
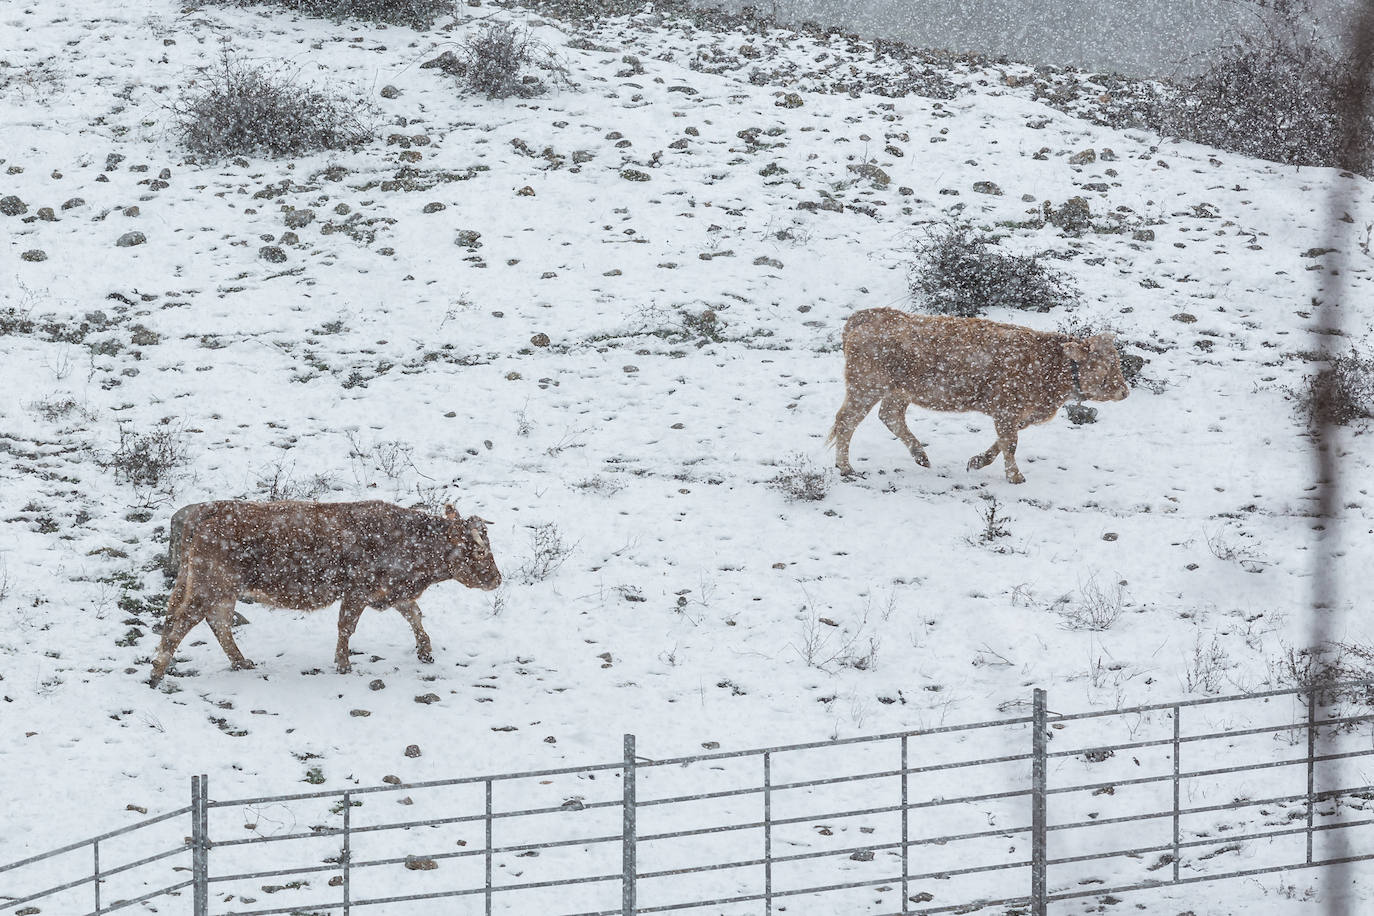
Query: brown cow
(305, 556)
(1013, 374)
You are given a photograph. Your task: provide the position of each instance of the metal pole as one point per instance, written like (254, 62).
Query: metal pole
(906, 833)
(1038, 768)
(200, 865)
(347, 857)
(627, 835)
(95, 852)
(1311, 766)
(488, 855)
(1176, 793)
(768, 834)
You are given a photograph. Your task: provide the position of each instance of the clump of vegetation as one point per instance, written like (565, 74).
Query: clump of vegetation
(1278, 93)
(1340, 394)
(418, 14)
(240, 108)
(494, 62)
(548, 552)
(800, 479)
(958, 272)
(145, 459)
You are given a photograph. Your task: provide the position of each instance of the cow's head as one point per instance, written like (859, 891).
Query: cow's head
(1099, 367)
(470, 560)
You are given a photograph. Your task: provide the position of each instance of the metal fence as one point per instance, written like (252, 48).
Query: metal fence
(937, 820)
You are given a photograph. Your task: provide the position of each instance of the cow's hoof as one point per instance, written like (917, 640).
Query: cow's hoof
(978, 462)
(922, 460)
(1017, 477)
(242, 664)
(343, 667)
(154, 681)
(425, 657)
(851, 474)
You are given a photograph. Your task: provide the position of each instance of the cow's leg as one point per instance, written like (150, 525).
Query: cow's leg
(411, 612)
(983, 459)
(893, 414)
(1006, 440)
(220, 618)
(183, 613)
(857, 404)
(350, 609)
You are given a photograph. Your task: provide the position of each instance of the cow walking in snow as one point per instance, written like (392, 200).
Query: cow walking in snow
(1015, 375)
(305, 556)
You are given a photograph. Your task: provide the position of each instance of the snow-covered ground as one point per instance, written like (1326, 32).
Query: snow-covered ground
(655, 582)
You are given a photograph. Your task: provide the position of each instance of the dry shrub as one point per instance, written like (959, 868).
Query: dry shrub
(957, 272)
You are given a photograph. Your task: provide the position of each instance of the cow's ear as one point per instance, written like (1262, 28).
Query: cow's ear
(1076, 350)
(450, 512)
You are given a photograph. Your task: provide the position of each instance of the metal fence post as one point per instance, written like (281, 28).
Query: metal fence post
(95, 853)
(347, 855)
(906, 830)
(488, 853)
(1038, 768)
(200, 842)
(1177, 766)
(627, 835)
(1311, 766)
(767, 834)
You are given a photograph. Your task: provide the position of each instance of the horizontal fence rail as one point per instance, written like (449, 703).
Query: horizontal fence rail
(1087, 805)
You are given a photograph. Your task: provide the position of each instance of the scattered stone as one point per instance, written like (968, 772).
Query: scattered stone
(73, 203)
(101, 178)
(131, 211)
(1143, 235)
(434, 207)
(766, 261)
(1107, 154)
(863, 855)
(870, 171)
(290, 238)
(1083, 157)
(630, 370)
(34, 254)
(447, 62)
(790, 100)
(359, 713)
(112, 161)
(1184, 318)
(272, 254)
(680, 143)
(548, 275)
(613, 272)
(412, 750)
(137, 808)
(391, 780)
(987, 187)
(540, 340)
(1317, 252)
(299, 219)
(831, 204)
(634, 175)
(895, 151)
(526, 191)
(427, 698)
(420, 863)
(13, 206)
(692, 132)
(390, 92)
(376, 684)
(342, 209)
(130, 239)
(46, 214)
(467, 238)
(1109, 535)
(164, 174)
(581, 156)
(411, 155)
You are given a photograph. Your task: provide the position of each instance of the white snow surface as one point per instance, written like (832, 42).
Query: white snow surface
(696, 602)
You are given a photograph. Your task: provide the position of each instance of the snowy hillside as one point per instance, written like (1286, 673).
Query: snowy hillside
(644, 335)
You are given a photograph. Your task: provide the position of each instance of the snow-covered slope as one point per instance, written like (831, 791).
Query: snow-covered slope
(694, 602)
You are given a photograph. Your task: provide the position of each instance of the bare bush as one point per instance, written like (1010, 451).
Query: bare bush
(494, 62)
(958, 272)
(1339, 394)
(801, 479)
(1205, 669)
(548, 552)
(1277, 93)
(237, 108)
(418, 14)
(144, 460)
(994, 527)
(1094, 608)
